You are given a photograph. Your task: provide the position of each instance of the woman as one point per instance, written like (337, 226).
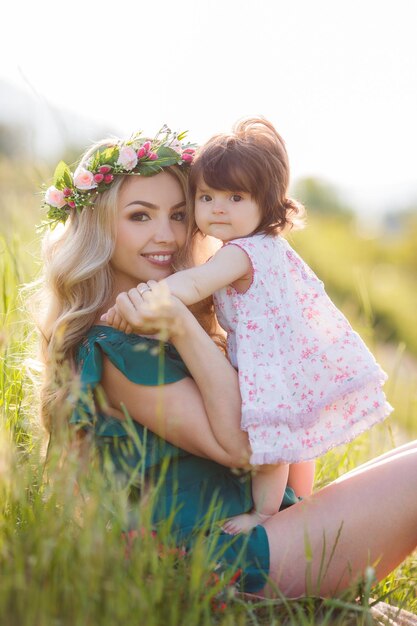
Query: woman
(129, 230)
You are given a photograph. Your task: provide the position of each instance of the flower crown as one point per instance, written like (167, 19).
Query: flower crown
(79, 190)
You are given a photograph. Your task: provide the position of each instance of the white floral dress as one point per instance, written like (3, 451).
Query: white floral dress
(308, 382)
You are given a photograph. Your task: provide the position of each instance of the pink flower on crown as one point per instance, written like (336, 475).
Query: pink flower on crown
(55, 197)
(84, 179)
(127, 158)
(188, 155)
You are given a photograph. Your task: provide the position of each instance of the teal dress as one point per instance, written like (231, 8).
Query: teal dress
(191, 486)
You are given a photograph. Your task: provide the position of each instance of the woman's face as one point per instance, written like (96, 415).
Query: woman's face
(151, 228)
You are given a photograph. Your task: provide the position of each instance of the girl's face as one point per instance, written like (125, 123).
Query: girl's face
(151, 228)
(225, 215)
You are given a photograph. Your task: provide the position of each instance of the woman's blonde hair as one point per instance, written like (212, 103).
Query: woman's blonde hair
(77, 285)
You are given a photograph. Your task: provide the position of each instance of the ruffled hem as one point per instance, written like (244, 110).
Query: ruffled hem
(307, 453)
(296, 419)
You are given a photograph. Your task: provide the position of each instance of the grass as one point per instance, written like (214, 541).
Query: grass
(62, 558)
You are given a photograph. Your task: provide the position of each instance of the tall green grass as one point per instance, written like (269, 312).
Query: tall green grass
(62, 556)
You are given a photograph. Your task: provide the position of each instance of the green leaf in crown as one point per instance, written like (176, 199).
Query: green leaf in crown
(149, 168)
(62, 176)
(109, 156)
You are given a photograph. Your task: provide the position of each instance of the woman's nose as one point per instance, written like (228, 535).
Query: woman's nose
(164, 232)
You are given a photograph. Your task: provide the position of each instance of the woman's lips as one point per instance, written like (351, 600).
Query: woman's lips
(162, 259)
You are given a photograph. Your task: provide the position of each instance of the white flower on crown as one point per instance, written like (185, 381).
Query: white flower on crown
(128, 158)
(84, 179)
(176, 145)
(55, 197)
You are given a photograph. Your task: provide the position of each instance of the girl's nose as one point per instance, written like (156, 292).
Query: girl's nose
(218, 207)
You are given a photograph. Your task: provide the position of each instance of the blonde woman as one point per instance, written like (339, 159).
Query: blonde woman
(125, 213)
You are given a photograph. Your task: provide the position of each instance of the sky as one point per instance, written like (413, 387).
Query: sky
(338, 79)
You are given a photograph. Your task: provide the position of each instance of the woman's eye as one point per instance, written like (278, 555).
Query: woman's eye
(139, 217)
(236, 197)
(178, 217)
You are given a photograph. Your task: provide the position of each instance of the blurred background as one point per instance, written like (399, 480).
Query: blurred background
(337, 79)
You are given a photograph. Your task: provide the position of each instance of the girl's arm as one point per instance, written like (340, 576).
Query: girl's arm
(193, 285)
(200, 415)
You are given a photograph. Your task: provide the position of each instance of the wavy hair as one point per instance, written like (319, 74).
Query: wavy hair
(76, 285)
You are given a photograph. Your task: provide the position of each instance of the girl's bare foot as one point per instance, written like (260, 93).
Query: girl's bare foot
(244, 523)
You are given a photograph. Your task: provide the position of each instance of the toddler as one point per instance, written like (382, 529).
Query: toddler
(308, 382)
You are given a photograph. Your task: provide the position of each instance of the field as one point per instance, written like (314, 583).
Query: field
(62, 559)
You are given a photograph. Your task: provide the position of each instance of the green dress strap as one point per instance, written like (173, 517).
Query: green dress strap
(144, 361)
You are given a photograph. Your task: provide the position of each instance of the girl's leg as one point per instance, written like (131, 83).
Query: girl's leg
(268, 486)
(301, 477)
(368, 518)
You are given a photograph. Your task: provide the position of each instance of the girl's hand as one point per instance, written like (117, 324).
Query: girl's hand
(149, 308)
(114, 318)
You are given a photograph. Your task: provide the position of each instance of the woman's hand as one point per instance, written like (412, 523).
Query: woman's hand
(149, 308)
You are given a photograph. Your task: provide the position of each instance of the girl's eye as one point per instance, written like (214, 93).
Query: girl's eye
(139, 216)
(236, 197)
(179, 216)
(205, 197)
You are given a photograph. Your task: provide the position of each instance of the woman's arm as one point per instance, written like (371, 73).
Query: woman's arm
(202, 415)
(218, 384)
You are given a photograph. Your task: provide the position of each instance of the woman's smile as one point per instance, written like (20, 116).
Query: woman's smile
(163, 259)
(151, 229)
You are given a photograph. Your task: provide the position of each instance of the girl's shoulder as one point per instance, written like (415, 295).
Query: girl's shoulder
(262, 249)
(261, 241)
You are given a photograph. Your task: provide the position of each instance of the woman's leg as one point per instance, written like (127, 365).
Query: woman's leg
(369, 517)
(411, 445)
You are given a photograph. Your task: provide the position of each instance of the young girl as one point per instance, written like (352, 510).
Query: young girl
(307, 380)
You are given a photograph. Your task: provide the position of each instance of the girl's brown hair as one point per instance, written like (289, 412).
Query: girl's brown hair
(253, 159)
